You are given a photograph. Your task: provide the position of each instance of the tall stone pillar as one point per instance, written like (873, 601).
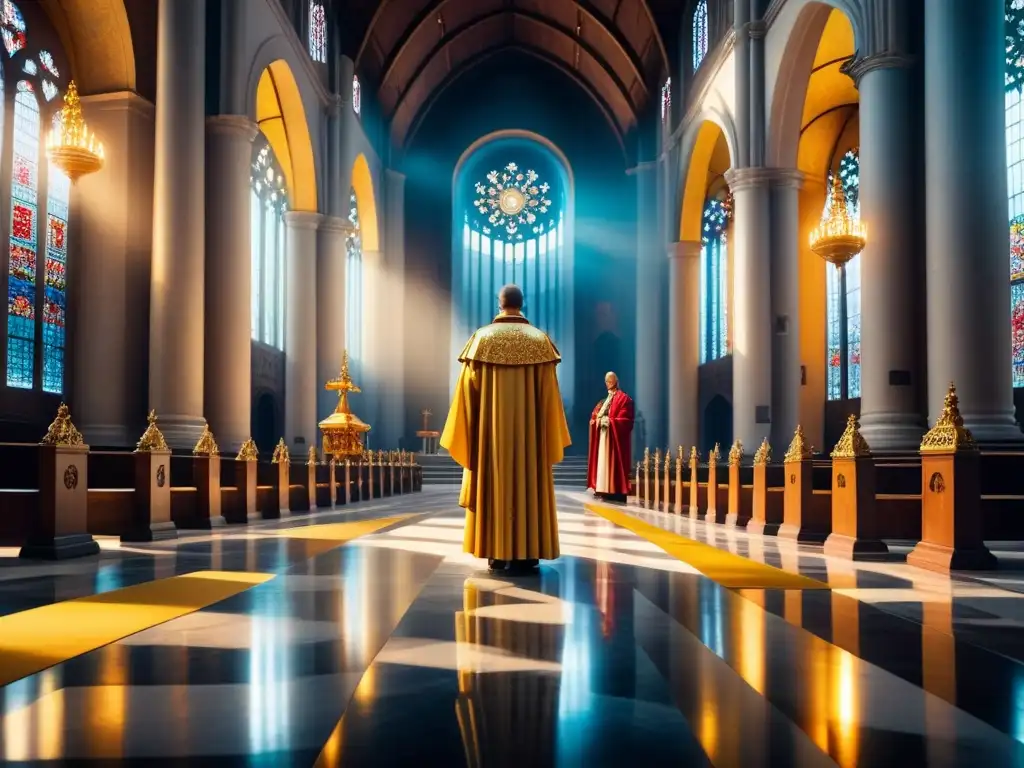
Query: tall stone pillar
(891, 330)
(968, 240)
(650, 330)
(785, 297)
(741, 57)
(756, 29)
(394, 341)
(683, 342)
(752, 308)
(113, 220)
(300, 422)
(376, 309)
(228, 380)
(330, 307)
(179, 201)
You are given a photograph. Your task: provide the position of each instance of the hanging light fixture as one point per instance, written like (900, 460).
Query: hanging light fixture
(839, 236)
(71, 146)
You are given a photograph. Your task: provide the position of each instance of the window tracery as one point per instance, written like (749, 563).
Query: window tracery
(844, 330)
(700, 33)
(354, 290)
(317, 32)
(357, 95)
(714, 279)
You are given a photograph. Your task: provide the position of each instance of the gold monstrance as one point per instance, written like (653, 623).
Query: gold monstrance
(838, 238)
(343, 430)
(71, 146)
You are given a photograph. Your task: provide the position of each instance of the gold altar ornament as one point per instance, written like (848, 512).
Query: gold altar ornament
(736, 454)
(248, 451)
(152, 439)
(763, 455)
(62, 432)
(281, 455)
(839, 236)
(343, 430)
(949, 435)
(206, 445)
(852, 444)
(799, 449)
(70, 145)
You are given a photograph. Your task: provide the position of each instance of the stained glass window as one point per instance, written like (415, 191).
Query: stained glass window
(21, 290)
(55, 276)
(317, 32)
(49, 90)
(844, 330)
(354, 291)
(46, 59)
(13, 29)
(714, 280)
(666, 100)
(269, 201)
(1015, 184)
(700, 33)
(357, 95)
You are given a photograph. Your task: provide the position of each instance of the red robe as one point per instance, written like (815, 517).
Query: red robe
(620, 427)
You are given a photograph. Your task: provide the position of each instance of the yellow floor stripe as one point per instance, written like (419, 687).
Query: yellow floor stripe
(339, 533)
(34, 640)
(725, 568)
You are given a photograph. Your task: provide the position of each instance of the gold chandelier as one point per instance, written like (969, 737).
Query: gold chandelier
(839, 236)
(72, 147)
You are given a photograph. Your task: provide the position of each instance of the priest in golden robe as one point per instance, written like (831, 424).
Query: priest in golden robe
(507, 429)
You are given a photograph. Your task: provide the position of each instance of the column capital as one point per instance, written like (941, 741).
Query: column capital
(235, 126)
(684, 249)
(745, 178)
(336, 224)
(303, 219)
(857, 67)
(756, 30)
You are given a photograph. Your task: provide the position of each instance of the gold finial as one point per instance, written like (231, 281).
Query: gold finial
(311, 458)
(949, 434)
(206, 445)
(763, 455)
(647, 459)
(152, 439)
(736, 454)
(852, 444)
(62, 432)
(71, 146)
(657, 459)
(638, 466)
(281, 455)
(694, 454)
(680, 454)
(798, 449)
(714, 456)
(248, 451)
(380, 457)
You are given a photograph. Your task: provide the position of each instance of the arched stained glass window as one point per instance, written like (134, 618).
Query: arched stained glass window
(55, 276)
(268, 204)
(14, 29)
(1015, 177)
(317, 33)
(354, 291)
(357, 95)
(844, 332)
(714, 279)
(700, 33)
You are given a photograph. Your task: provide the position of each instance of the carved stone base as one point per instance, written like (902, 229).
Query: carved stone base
(935, 557)
(800, 534)
(762, 528)
(60, 547)
(151, 532)
(849, 548)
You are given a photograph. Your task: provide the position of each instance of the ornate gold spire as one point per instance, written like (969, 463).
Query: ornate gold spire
(62, 432)
(949, 434)
(343, 430)
(206, 445)
(694, 455)
(248, 451)
(852, 444)
(281, 455)
(763, 455)
(647, 459)
(311, 458)
(657, 459)
(715, 456)
(799, 449)
(152, 439)
(736, 454)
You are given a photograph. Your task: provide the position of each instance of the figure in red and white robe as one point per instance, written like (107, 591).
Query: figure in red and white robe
(611, 426)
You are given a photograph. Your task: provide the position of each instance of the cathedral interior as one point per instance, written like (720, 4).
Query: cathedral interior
(794, 229)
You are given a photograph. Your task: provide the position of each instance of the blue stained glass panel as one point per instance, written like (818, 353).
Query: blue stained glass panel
(700, 33)
(714, 283)
(23, 259)
(1017, 325)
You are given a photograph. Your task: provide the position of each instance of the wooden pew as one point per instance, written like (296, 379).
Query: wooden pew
(698, 491)
(741, 489)
(767, 509)
(717, 489)
(856, 522)
(807, 514)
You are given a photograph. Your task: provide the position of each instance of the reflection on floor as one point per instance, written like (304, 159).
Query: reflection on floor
(395, 647)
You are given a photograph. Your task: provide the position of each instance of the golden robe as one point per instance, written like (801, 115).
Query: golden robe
(507, 428)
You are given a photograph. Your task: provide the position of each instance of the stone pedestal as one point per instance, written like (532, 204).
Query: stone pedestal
(798, 521)
(151, 519)
(694, 509)
(311, 486)
(764, 518)
(60, 530)
(283, 486)
(739, 506)
(855, 523)
(206, 470)
(246, 482)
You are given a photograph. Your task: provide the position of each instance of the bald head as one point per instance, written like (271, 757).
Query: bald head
(510, 298)
(611, 380)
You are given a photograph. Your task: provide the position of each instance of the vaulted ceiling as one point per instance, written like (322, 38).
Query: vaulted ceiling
(411, 50)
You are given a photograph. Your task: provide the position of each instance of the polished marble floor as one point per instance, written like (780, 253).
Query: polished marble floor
(398, 649)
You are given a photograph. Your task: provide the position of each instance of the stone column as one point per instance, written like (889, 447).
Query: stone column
(650, 286)
(741, 58)
(179, 202)
(785, 296)
(376, 310)
(394, 241)
(752, 308)
(756, 29)
(891, 333)
(683, 342)
(110, 275)
(967, 255)
(228, 380)
(330, 307)
(300, 422)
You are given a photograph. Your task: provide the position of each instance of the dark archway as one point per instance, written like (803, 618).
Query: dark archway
(716, 426)
(265, 428)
